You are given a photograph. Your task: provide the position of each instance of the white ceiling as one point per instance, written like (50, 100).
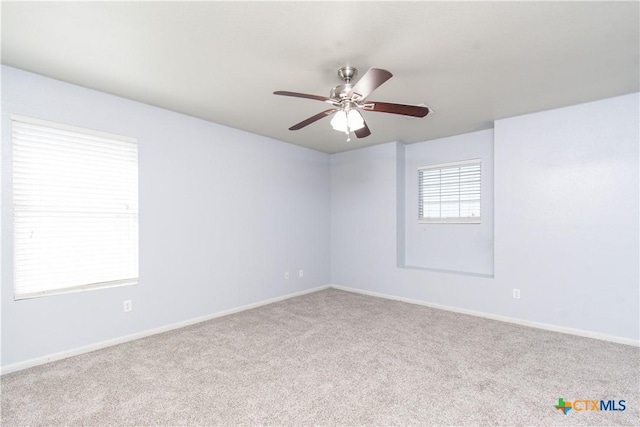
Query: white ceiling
(471, 62)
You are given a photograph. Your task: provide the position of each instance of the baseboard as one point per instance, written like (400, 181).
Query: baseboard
(538, 325)
(108, 343)
(103, 344)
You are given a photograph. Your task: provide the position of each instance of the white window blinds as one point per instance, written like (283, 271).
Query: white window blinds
(450, 192)
(75, 208)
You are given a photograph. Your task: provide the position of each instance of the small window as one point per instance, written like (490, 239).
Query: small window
(75, 208)
(449, 193)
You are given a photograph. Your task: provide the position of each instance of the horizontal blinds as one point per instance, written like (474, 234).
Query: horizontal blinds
(450, 192)
(75, 208)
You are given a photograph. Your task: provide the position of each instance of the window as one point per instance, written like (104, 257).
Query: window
(75, 208)
(449, 193)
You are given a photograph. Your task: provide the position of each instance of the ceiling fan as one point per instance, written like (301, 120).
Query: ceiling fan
(347, 99)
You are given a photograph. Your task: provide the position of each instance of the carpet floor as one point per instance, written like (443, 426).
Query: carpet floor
(333, 358)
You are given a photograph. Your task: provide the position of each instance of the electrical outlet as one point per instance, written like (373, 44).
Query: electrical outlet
(300, 273)
(516, 293)
(286, 275)
(127, 306)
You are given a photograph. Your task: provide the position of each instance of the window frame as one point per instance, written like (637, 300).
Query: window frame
(116, 282)
(449, 220)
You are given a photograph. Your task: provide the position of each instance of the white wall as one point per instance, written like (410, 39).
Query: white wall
(223, 213)
(462, 248)
(567, 214)
(566, 223)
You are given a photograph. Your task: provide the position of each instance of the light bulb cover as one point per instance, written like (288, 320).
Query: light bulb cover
(339, 121)
(346, 122)
(355, 119)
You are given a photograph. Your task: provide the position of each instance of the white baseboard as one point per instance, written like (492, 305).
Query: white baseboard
(97, 346)
(545, 326)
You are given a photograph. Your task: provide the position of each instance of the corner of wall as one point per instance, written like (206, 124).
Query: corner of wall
(400, 205)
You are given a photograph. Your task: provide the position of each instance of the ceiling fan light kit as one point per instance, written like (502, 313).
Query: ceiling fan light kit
(348, 99)
(344, 121)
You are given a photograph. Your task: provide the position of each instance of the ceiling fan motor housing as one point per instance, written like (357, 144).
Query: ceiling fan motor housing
(341, 92)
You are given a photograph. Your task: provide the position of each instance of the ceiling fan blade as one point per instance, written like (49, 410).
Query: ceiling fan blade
(313, 119)
(403, 110)
(363, 132)
(372, 79)
(303, 95)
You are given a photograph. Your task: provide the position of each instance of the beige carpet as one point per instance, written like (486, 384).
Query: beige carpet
(333, 358)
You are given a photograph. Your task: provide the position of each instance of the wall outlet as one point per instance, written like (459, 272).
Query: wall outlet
(516, 293)
(127, 306)
(300, 273)
(286, 275)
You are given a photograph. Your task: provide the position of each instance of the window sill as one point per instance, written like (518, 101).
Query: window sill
(81, 288)
(450, 221)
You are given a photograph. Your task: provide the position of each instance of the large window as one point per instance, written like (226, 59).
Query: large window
(450, 192)
(75, 208)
